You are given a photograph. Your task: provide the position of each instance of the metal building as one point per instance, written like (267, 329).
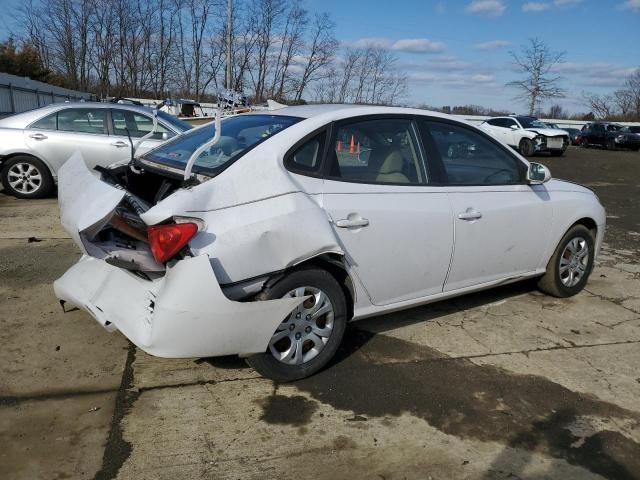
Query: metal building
(19, 94)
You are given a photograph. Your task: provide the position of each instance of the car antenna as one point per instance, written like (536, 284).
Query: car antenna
(194, 156)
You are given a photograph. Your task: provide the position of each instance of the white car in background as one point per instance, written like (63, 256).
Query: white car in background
(35, 144)
(528, 135)
(264, 238)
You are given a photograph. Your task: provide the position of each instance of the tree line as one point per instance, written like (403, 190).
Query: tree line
(138, 48)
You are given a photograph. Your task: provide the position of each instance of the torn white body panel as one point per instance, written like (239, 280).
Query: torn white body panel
(183, 314)
(86, 202)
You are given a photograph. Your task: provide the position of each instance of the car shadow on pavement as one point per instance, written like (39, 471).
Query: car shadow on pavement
(377, 377)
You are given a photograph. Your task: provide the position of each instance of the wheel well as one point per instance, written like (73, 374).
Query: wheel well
(6, 158)
(334, 264)
(589, 223)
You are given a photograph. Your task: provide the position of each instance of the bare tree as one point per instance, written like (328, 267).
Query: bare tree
(290, 46)
(321, 51)
(536, 61)
(269, 14)
(602, 106)
(557, 112)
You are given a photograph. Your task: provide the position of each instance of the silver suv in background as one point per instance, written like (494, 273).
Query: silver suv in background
(35, 144)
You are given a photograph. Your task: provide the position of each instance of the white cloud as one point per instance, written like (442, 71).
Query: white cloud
(566, 3)
(408, 45)
(492, 45)
(596, 74)
(536, 6)
(418, 45)
(489, 8)
(631, 5)
(454, 80)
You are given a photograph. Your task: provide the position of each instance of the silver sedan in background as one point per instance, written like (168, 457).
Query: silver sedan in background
(35, 144)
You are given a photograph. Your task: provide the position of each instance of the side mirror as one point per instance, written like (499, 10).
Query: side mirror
(513, 127)
(538, 174)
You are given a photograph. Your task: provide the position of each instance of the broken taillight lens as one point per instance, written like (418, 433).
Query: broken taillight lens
(167, 240)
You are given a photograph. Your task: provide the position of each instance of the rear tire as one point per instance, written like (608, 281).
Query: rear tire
(584, 143)
(526, 147)
(557, 153)
(611, 144)
(292, 363)
(570, 265)
(24, 176)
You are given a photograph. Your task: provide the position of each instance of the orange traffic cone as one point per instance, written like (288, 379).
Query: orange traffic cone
(339, 146)
(352, 146)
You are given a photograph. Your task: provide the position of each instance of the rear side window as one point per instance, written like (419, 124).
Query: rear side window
(45, 123)
(469, 158)
(307, 157)
(82, 120)
(377, 151)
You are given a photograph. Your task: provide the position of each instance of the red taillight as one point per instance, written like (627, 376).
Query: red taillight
(167, 240)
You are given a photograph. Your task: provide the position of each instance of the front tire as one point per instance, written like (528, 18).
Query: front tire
(26, 177)
(309, 338)
(526, 147)
(557, 153)
(571, 264)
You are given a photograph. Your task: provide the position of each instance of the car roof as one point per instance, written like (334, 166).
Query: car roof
(343, 110)
(21, 120)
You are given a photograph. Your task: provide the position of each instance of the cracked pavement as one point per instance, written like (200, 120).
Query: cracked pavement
(507, 383)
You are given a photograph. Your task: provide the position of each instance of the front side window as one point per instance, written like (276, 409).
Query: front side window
(377, 151)
(136, 124)
(238, 135)
(45, 123)
(82, 120)
(469, 158)
(510, 122)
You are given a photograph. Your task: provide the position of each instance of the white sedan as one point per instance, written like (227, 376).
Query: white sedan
(528, 135)
(265, 239)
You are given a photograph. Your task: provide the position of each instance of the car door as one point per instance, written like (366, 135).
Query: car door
(512, 134)
(137, 124)
(500, 222)
(81, 129)
(393, 224)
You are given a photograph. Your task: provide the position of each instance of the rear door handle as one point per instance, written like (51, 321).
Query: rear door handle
(352, 222)
(38, 136)
(119, 144)
(470, 214)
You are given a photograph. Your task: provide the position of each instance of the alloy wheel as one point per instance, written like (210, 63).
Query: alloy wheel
(305, 333)
(24, 178)
(574, 262)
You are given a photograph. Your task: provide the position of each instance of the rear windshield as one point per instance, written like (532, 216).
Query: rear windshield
(238, 135)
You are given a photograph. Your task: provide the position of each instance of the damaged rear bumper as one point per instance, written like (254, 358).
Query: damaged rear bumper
(183, 314)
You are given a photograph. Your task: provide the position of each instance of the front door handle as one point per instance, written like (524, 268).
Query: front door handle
(352, 223)
(119, 144)
(38, 136)
(470, 214)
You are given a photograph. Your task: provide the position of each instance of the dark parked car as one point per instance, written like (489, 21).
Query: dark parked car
(610, 135)
(574, 135)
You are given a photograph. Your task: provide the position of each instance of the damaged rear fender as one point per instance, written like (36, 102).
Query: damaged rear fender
(183, 314)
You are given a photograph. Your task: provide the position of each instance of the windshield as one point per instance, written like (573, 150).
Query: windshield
(531, 123)
(238, 135)
(175, 122)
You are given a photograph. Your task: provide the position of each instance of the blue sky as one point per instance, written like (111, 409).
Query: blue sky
(460, 47)
(456, 51)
